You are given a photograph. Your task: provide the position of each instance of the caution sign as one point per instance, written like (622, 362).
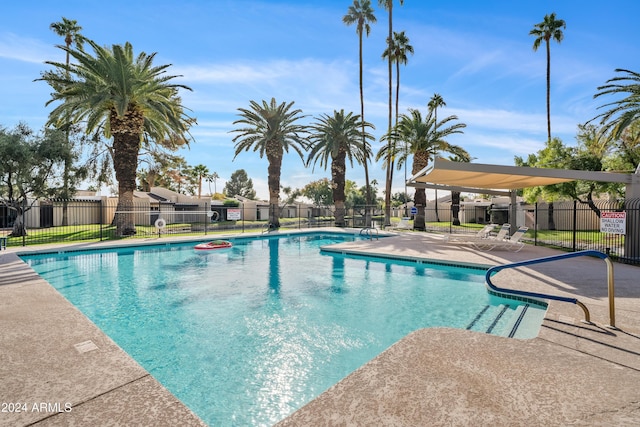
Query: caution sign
(613, 222)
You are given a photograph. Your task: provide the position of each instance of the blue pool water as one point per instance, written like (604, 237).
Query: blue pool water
(246, 335)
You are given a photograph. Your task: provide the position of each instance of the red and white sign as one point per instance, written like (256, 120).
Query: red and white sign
(613, 222)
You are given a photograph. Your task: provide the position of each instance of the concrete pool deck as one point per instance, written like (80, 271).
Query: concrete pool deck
(53, 358)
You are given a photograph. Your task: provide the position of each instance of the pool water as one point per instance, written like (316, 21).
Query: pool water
(247, 335)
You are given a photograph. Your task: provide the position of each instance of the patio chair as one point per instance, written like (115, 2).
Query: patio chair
(481, 234)
(511, 243)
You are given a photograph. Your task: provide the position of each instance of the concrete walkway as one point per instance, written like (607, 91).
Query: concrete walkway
(64, 371)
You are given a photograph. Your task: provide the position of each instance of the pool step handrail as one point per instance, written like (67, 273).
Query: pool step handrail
(598, 254)
(368, 231)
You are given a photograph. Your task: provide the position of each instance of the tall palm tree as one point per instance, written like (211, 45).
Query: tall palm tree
(271, 129)
(434, 103)
(200, 172)
(125, 97)
(338, 138)
(388, 6)
(549, 28)
(70, 31)
(625, 112)
(397, 49)
(213, 177)
(361, 14)
(425, 138)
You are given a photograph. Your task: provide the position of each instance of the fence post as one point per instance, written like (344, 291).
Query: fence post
(575, 220)
(535, 224)
(101, 207)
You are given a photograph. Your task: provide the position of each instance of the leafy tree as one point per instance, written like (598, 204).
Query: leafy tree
(362, 14)
(337, 138)
(124, 97)
(28, 169)
(592, 153)
(271, 129)
(549, 28)
(425, 139)
(625, 112)
(399, 199)
(319, 192)
(240, 185)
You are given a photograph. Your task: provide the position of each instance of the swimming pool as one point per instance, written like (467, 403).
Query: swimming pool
(246, 335)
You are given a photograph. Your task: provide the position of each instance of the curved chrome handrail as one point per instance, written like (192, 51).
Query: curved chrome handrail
(598, 254)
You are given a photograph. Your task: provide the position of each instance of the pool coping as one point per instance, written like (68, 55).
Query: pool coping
(108, 386)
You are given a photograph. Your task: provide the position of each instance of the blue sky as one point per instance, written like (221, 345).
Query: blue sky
(476, 54)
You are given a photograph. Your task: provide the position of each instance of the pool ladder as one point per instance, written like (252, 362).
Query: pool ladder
(368, 231)
(587, 317)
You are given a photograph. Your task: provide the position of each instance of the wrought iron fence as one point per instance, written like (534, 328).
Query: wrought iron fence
(565, 225)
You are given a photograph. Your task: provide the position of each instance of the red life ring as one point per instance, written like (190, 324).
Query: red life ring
(216, 244)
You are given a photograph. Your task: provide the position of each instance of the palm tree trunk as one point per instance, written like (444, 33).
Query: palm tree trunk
(548, 91)
(275, 169)
(455, 207)
(338, 170)
(125, 162)
(367, 209)
(387, 196)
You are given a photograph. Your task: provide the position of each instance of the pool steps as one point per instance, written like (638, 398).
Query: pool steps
(523, 322)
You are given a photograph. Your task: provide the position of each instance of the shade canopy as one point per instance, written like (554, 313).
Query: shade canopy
(496, 179)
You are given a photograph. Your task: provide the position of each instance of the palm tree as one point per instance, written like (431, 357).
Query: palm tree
(213, 178)
(125, 97)
(425, 139)
(434, 103)
(397, 49)
(200, 171)
(338, 138)
(70, 30)
(625, 112)
(271, 129)
(388, 6)
(549, 28)
(361, 13)
(455, 195)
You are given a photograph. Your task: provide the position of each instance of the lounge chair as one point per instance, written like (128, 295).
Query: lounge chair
(511, 243)
(481, 234)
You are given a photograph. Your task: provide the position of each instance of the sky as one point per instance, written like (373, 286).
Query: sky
(478, 55)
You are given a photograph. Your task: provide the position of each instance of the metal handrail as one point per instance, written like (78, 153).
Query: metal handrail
(369, 233)
(598, 254)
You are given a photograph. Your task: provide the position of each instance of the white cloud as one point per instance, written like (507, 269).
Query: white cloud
(24, 49)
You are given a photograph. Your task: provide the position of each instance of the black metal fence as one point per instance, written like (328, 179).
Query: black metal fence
(565, 225)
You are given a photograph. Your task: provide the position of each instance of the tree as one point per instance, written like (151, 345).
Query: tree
(592, 153)
(399, 199)
(319, 192)
(425, 139)
(397, 49)
(434, 103)
(337, 138)
(549, 28)
(213, 177)
(240, 185)
(200, 172)
(361, 14)
(125, 97)
(27, 169)
(70, 30)
(388, 6)
(625, 112)
(271, 129)
(455, 195)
